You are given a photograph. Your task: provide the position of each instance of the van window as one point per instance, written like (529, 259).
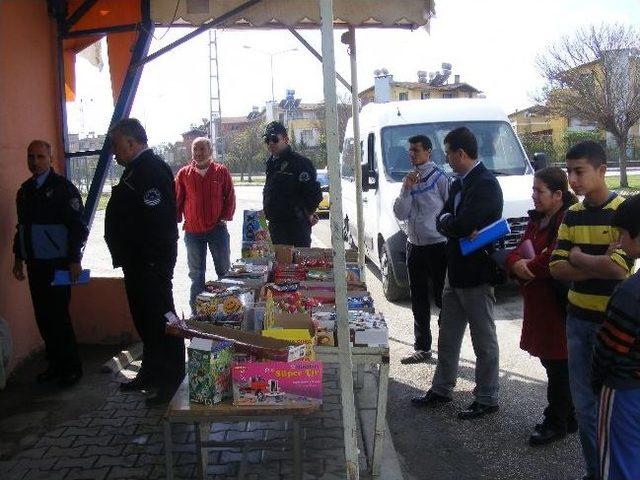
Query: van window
(498, 147)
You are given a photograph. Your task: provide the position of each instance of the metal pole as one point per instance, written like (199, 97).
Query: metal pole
(355, 115)
(336, 216)
(273, 97)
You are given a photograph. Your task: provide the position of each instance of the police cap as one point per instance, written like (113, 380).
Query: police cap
(274, 128)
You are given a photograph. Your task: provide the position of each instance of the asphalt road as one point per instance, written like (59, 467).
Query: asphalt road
(432, 444)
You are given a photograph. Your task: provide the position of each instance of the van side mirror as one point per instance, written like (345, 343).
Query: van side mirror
(540, 161)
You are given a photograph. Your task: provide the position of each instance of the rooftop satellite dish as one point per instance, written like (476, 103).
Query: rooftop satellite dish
(385, 71)
(377, 72)
(446, 67)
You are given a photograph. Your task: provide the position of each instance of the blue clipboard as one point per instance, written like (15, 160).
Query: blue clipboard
(487, 235)
(61, 277)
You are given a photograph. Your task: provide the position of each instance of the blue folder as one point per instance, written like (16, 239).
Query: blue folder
(487, 235)
(61, 277)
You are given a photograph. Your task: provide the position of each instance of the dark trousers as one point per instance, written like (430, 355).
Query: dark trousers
(150, 296)
(51, 308)
(560, 409)
(425, 263)
(297, 233)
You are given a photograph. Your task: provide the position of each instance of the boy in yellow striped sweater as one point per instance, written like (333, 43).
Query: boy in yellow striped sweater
(587, 257)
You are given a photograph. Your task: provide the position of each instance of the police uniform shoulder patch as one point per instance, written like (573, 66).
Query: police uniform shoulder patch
(304, 177)
(284, 165)
(74, 203)
(152, 197)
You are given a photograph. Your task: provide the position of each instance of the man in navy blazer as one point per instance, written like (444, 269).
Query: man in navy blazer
(475, 201)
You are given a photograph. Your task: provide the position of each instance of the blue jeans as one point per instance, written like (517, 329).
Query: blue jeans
(217, 239)
(581, 337)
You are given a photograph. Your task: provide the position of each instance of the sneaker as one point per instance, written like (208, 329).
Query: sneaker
(419, 356)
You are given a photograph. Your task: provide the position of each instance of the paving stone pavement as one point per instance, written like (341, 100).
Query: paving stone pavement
(122, 439)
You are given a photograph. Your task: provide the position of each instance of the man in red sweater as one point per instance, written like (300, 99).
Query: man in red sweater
(206, 200)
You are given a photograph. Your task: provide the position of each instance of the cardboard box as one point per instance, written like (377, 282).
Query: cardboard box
(368, 329)
(301, 336)
(284, 253)
(223, 305)
(209, 370)
(244, 342)
(276, 383)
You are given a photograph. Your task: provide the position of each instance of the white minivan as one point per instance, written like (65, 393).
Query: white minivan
(385, 129)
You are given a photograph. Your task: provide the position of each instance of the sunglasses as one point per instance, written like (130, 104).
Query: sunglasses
(271, 139)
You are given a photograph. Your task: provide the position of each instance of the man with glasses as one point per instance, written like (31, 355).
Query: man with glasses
(291, 192)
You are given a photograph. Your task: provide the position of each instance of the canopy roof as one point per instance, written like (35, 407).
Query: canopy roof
(299, 13)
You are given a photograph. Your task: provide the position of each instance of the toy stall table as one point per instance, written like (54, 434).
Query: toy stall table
(180, 410)
(368, 356)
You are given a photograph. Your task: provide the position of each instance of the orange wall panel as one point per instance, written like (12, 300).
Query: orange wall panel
(28, 110)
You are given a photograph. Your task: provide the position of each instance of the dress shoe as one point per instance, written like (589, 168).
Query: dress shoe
(136, 385)
(546, 434)
(429, 399)
(158, 399)
(69, 378)
(572, 426)
(49, 375)
(476, 410)
(419, 356)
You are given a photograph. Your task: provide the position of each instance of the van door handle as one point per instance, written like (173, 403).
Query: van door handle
(365, 200)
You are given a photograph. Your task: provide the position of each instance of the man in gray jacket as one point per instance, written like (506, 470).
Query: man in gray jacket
(424, 192)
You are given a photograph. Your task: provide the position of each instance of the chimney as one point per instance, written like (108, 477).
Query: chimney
(456, 79)
(382, 85)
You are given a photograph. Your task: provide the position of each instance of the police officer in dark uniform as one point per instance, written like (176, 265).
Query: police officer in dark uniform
(141, 233)
(291, 192)
(50, 236)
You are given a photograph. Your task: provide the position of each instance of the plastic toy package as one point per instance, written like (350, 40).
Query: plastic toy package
(254, 227)
(224, 305)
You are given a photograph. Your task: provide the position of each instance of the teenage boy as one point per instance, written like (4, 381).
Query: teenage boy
(616, 362)
(422, 197)
(583, 257)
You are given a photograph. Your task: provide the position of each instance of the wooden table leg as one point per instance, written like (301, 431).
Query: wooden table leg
(381, 412)
(168, 450)
(297, 449)
(202, 434)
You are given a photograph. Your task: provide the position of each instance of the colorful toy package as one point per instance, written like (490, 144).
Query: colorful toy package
(224, 305)
(277, 383)
(209, 370)
(301, 336)
(254, 227)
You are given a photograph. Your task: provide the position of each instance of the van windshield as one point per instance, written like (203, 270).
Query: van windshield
(498, 147)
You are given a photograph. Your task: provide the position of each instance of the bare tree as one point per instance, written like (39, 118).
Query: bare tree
(594, 76)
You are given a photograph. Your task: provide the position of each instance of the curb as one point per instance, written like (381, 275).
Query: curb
(123, 359)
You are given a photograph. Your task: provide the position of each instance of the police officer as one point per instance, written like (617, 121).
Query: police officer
(50, 236)
(291, 192)
(141, 233)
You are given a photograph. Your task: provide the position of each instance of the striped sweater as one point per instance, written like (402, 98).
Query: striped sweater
(590, 229)
(616, 359)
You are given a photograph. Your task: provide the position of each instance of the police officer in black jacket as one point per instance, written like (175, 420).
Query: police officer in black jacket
(291, 192)
(141, 233)
(50, 236)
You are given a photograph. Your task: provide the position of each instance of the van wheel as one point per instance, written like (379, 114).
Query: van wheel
(392, 291)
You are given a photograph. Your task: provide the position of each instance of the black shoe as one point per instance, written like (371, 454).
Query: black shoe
(546, 434)
(69, 378)
(572, 426)
(419, 356)
(477, 410)
(429, 399)
(161, 398)
(136, 385)
(49, 375)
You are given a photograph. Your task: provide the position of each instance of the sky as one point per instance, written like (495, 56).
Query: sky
(491, 44)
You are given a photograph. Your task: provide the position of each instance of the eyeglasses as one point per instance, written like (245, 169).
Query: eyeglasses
(271, 139)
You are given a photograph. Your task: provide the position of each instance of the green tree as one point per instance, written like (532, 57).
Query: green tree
(594, 76)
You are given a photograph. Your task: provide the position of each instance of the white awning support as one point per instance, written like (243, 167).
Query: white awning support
(339, 263)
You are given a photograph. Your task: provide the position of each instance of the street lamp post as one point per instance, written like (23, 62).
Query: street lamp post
(271, 55)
